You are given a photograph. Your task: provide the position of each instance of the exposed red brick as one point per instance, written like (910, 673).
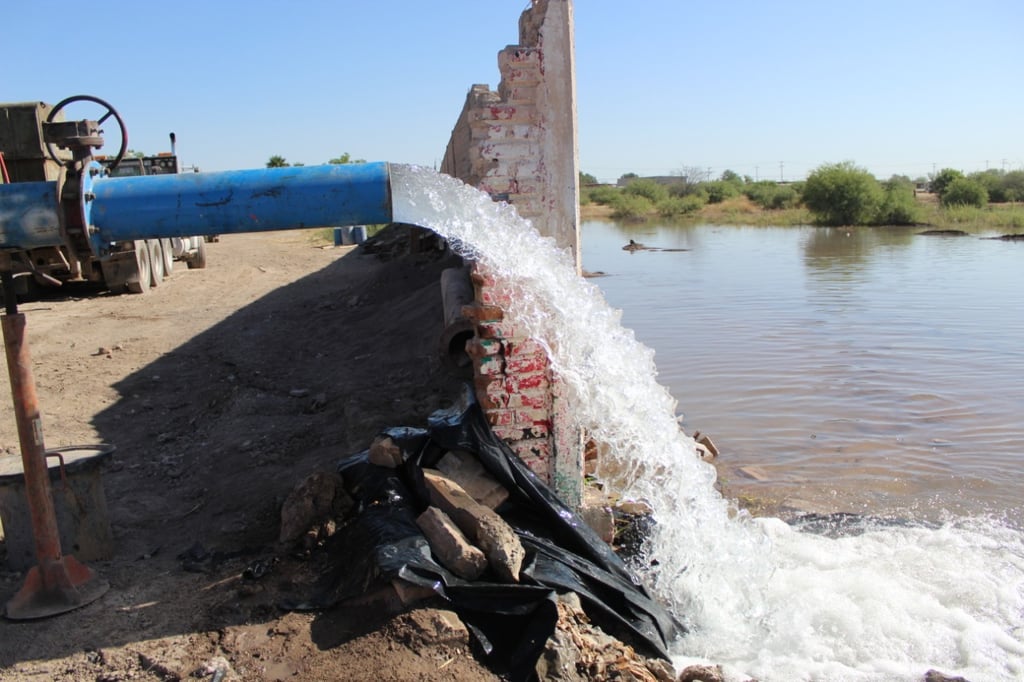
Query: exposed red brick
(525, 364)
(513, 346)
(530, 400)
(497, 330)
(478, 348)
(483, 313)
(491, 392)
(491, 296)
(525, 382)
(488, 365)
(533, 416)
(501, 417)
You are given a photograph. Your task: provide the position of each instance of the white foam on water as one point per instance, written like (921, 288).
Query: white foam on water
(759, 597)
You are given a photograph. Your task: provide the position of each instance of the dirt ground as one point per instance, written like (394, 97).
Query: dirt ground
(223, 388)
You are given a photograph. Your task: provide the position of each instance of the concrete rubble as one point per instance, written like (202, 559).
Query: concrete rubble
(481, 524)
(450, 545)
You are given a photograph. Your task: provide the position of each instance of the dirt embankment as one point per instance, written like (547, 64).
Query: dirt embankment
(222, 388)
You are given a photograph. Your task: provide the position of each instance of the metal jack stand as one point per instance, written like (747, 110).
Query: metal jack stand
(58, 583)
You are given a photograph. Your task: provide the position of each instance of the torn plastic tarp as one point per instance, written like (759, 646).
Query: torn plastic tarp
(512, 622)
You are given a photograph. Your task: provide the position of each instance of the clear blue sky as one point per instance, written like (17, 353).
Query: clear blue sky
(894, 85)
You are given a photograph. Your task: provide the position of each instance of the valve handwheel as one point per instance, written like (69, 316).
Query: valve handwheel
(110, 111)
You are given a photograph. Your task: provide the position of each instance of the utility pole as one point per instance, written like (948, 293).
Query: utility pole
(782, 177)
(755, 173)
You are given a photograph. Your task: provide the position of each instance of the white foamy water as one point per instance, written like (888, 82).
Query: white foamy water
(759, 597)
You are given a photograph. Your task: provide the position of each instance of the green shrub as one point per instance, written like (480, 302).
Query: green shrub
(785, 196)
(604, 194)
(649, 189)
(992, 181)
(674, 207)
(964, 192)
(899, 206)
(1013, 186)
(686, 189)
(720, 190)
(942, 179)
(770, 195)
(631, 206)
(842, 194)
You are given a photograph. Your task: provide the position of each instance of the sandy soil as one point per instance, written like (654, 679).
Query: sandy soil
(222, 389)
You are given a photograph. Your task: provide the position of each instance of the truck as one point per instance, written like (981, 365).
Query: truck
(131, 266)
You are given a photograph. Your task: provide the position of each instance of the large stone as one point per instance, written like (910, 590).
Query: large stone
(466, 470)
(936, 676)
(597, 513)
(450, 546)
(702, 673)
(316, 499)
(501, 545)
(482, 525)
(385, 452)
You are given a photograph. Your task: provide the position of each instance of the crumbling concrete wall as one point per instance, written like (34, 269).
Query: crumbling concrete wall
(519, 144)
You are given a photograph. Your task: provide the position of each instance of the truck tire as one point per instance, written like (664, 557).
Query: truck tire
(198, 259)
(138, 282)
(156, 262)
(168, 248)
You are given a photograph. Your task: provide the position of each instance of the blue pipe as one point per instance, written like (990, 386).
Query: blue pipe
(194, 204)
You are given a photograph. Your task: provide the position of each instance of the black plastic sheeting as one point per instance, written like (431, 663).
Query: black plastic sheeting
(511, 622)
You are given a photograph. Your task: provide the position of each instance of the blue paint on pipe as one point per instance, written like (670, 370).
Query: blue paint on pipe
(28, 215)
(228, 202)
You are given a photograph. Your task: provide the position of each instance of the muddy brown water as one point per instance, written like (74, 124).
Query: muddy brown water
(864, 370)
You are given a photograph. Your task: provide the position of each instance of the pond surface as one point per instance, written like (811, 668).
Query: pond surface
(837, 369)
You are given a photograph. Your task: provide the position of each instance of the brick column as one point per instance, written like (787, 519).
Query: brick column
(519, 145)
(512, 377)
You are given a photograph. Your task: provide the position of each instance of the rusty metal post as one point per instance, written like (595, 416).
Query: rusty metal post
(57, 583)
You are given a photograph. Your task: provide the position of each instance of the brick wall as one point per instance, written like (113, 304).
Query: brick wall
(518, 144)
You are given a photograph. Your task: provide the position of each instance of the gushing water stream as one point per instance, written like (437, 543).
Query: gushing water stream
(880, 602)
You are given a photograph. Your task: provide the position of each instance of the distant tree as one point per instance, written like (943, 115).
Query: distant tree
(899, 181)
(587, 179)
(134, 154)
(992, 181)
(626, 177)
(277, 161)
(842, 194)
(1013, 185)
(692, 175)
(732, 177)
(344, 159)
(964, 192)
(941, 179)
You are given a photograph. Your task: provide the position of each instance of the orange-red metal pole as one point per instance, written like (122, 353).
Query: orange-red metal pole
(30, 434)
(57, 583)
